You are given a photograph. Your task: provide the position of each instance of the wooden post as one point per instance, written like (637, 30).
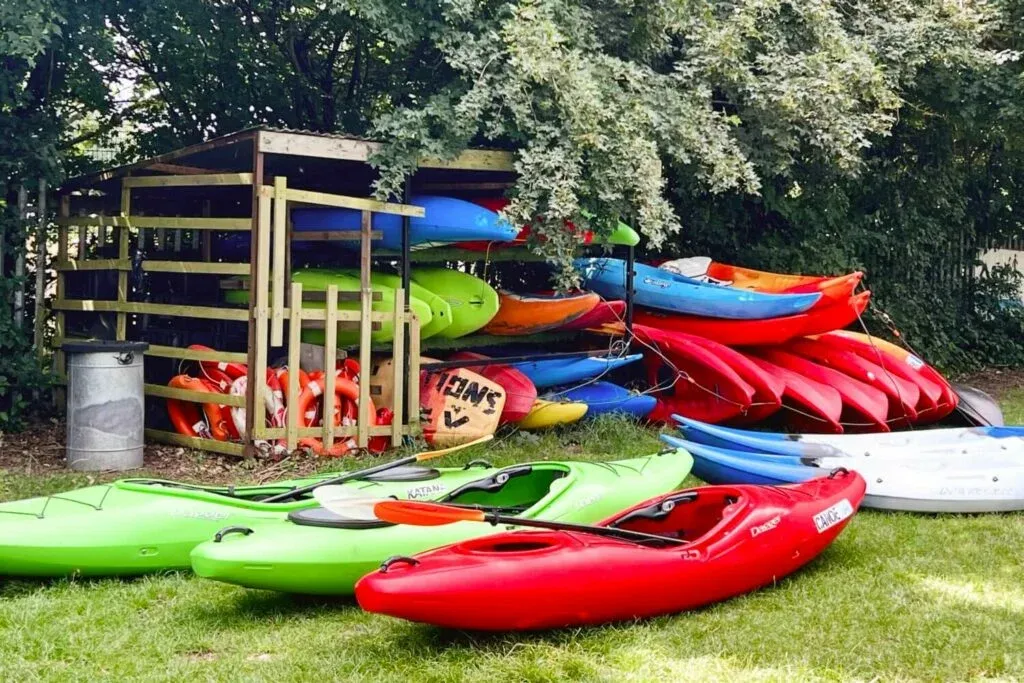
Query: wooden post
(279, 268)
(205, 236)
(122, 253)
(258, 371)
(39, 316)
(292, 390)
(255, 265)
(330, 364)
(19, 259)
(365, 325)
(397, 367)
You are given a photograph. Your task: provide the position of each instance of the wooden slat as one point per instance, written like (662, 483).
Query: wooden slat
(346, 325)
(398, 379)
(188, 267)
(317, 432)
(278, 265)
(195, 354)
(292, 390)
(192, 180)
(357, 203)
(261, 321)
(122, 254)
(204, 312)
(39, 316)
(331, 235)
(62, 255)
(93, 264)
(413, 400)
(365, 309)
(330, 353)
(319, 314)
(175, 439)
(324, 147)
(188, 223)
(162, 391)
(179, 169)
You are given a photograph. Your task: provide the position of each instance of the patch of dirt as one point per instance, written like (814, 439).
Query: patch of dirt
(39, 450)
(998, 383)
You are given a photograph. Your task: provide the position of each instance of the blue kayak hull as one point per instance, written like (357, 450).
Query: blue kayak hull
(604, 397)
(667, 291)
(553, 372)
(717, 466)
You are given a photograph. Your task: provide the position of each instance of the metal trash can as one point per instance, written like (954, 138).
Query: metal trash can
(106, 404)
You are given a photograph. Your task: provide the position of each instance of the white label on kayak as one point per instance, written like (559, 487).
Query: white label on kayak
(654, 282)
(829, 517)
(211, 515)
(914, 362)
(426, 491)
(767, 526)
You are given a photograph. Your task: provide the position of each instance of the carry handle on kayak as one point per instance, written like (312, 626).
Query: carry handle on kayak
(359, 474)
(660, 510)
(433, 514)
(491, 484)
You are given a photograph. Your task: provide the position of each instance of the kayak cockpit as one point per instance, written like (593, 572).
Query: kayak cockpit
(688, 515)
(511, 491)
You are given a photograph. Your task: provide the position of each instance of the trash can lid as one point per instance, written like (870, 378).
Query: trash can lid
(103, 345)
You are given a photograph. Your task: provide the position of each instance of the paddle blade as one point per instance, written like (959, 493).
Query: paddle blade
(424, 514)
(348, 502)
(430, 455)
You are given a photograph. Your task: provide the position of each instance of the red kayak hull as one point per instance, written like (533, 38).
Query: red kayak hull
(813, 407)
(937, 398)
(520, 393)
(768, 389)
(864, 407)
(694, 380)
(766, 332)
(901, 394)
(602, 314)
(738, 539)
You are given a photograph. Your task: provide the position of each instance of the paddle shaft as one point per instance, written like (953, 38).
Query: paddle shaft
(624, 534)
(341, 479)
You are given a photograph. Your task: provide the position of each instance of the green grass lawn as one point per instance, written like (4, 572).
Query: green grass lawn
(896, 597)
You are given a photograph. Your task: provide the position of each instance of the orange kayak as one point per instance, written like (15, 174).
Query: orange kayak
(833, 289)
(521, 314)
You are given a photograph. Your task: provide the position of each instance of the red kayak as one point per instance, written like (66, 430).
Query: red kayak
(695, 380)
(497, 204)
(902, 395)
(937, 398)
(520, 393)
(864, 407)
(814, 407)
(768, 389)
(602, 314)
(766, 332)
(737, 539)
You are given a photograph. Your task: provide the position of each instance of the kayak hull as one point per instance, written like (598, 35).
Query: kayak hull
(552, 372)
(603, 398)
(520, 394)
(529, 580)
(472, 301)
(547, 414)
(521, 314)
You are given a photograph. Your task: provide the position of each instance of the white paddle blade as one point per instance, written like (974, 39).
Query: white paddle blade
(347, 501)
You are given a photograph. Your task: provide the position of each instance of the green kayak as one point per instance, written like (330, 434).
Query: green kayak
(137, 526)
(319, 552)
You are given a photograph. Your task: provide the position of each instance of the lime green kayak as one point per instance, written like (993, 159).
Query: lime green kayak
(440, 310)
(473, 302)
(319, 552)
(138, 526)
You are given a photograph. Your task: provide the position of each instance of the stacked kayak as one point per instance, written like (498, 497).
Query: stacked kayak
(955, 471)
(709, 544)
(139, 526)
(605, 398)
(667, 291)
(622, 235)
(521, 314)
(552, 372)
(319, 552)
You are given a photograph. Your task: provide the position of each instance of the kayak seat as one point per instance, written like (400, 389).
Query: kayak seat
(322, 517)
(689, 522)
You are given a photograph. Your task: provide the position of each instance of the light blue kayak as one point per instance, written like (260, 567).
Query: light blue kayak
(447, 220)
(722, 466)
(604, 397)
(671, 292)
(973, 439)
(553, 372)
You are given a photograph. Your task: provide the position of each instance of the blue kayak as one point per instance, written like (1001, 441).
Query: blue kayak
(667, 291)
(605, 397)
(720, 466)
(838, 445)
(552, 372)
(447, 220)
